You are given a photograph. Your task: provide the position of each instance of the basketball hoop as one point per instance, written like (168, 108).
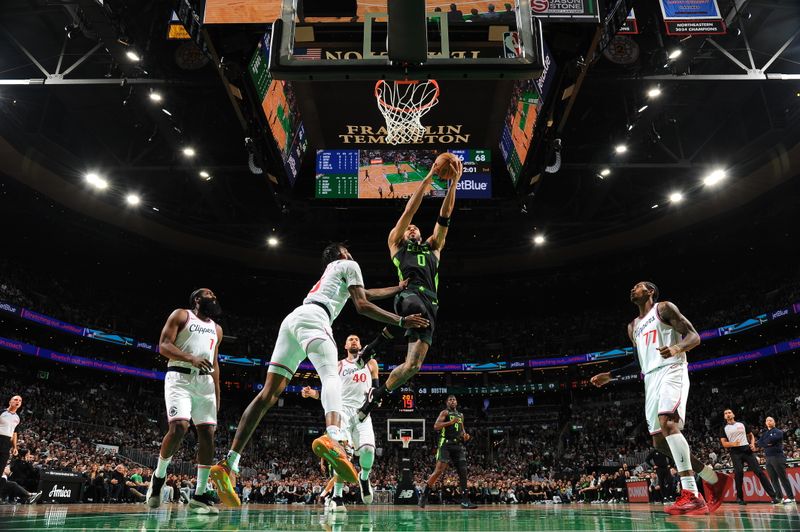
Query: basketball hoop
(403, 104)
(406, 439)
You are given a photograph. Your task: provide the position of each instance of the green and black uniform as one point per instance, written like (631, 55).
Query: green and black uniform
(451, 447)
(418, 263)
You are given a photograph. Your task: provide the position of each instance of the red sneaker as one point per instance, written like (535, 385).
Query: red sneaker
(688, 504)
(716, 492)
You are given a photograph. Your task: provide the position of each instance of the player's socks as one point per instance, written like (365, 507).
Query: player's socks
(161, 467)
(709, 475)
(233, 460)
(338, 487)
(202, 479)
(689, 484)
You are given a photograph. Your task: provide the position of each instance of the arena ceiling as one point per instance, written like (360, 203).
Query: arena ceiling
(72, 101)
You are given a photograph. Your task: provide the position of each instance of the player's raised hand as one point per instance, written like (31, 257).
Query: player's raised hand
(466, 437)
(601, 379)
(669, 351)
(458, 168)
(414, 321)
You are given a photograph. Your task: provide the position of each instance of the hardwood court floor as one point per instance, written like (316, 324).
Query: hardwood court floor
(617, 517)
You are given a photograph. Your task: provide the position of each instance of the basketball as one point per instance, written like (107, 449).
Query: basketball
(447, 165)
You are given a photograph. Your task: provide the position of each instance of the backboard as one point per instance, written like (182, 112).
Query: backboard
(397, 427)
(478, 40)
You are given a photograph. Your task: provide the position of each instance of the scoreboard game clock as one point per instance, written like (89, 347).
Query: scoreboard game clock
(407, 400)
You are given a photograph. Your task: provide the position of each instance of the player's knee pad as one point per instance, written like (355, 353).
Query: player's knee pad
(366, 456)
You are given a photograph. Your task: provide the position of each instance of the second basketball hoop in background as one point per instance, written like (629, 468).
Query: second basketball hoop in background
(403, 104)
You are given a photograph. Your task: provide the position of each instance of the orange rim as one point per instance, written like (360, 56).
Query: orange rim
(407, 82)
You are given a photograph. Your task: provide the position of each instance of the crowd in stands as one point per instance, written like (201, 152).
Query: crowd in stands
(585, 458)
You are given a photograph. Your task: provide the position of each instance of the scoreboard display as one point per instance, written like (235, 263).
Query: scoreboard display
(391, 174)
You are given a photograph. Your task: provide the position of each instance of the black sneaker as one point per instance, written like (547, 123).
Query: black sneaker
(423, 499)
(336, 505)
(34, 497)
(153, 498)
(202, 504)
(468, 505)
(776, 502)
(740, 502)
(366, 490)
(364, 356)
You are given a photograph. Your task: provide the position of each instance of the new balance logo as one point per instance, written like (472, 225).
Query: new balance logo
(406, 494)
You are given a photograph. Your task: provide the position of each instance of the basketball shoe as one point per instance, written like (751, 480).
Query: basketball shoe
(334, 453)
(224, 480)
(688, 504)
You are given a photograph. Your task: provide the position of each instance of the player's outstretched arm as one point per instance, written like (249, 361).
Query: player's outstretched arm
(215, 373)
(689, 336)
(373, 311)
(167, 347)
(308, 391)
(374, 373)
(412, 206)
(628, 370)
(436, 240)
(375, 294)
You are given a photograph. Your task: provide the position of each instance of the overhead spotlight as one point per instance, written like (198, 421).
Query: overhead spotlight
(655, 92)
(605, 172)
(715, 177)
(630, 127)
(132, 200)
(676, 197)
(133, 56)
(538, 240)
(205, 175)
(96, 181)
(166, 112)
(642, 108)
(620, 148)
(272, 241)
(188, 151)
(654, 206)
(676, 53)
(156, 96)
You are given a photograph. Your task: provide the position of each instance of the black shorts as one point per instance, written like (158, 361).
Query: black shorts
(417, 302)
(451, 452)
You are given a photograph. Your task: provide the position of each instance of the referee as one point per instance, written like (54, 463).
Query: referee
(9, 421)
(740, 442)
(772, 443)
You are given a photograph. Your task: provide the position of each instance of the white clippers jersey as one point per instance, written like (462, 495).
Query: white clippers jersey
(355, 383)
(197, 337)
(332, 288)
(650, 333)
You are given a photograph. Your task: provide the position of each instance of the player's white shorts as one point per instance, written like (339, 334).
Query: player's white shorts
(666, 390)
(190, 397)
(302, 326)
(358, 433)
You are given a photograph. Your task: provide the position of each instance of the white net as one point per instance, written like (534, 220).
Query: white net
(403, 104)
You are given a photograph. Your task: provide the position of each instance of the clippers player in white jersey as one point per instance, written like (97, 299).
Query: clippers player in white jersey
(356, 383)
(661, 337)
(190, 340)
(306, 333)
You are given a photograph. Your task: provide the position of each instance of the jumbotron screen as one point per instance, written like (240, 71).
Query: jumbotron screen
(388, 174)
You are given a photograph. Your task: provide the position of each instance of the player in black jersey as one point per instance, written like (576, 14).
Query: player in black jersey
(450, 425)
(418, 261)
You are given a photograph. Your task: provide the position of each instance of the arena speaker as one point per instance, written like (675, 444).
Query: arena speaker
(329, 8)
(407, 39)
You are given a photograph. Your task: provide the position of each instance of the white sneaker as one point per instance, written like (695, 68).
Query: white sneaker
(788, 501)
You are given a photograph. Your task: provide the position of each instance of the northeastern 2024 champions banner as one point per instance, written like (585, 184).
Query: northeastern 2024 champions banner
(692, 17)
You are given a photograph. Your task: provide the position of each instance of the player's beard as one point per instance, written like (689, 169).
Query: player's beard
(210, 307)
(353, 351)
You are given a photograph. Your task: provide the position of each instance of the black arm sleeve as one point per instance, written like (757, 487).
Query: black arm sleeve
(628, 370)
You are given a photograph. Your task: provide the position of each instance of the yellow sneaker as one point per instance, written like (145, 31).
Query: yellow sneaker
(334, 453)
(225, 481)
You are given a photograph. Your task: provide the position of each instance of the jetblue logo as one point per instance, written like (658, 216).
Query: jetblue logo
(201, 329)
(471, 185)
(475, 186)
